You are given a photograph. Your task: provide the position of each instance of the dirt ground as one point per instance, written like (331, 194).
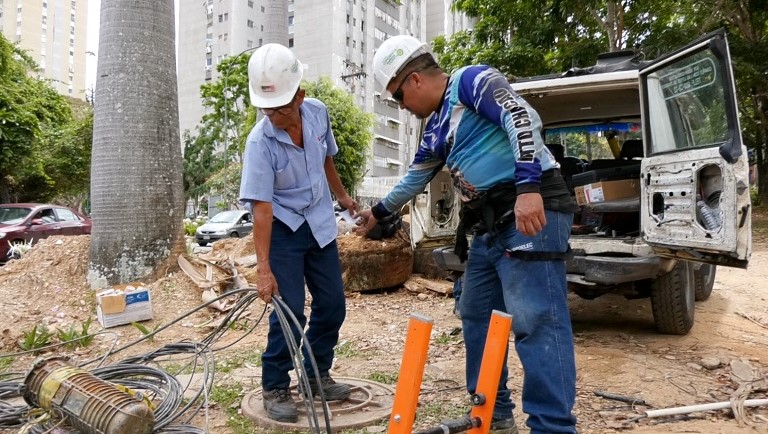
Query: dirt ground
(617, 349)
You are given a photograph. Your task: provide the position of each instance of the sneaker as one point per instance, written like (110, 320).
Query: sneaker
(332, 390)
(503, 426)
(280, 405)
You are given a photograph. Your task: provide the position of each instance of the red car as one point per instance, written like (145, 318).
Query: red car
(24, 222)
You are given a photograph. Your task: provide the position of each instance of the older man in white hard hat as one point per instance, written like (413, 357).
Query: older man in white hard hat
(287, 171)
(518, 205)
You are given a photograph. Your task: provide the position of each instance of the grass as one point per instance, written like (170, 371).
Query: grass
(383, 377)
(445, 339)
(5, 363)
(348, 349)
(239, 360)
(227, 396)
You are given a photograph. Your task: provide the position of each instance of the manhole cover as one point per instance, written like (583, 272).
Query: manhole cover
(369, 403)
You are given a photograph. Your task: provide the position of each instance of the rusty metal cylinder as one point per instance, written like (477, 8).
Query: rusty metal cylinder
(91, 405)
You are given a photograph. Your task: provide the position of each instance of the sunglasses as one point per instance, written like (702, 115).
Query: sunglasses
(282, 110)
(397, 95)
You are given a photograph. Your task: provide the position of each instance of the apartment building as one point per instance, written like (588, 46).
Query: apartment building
(333, 38)
(338, 39)
(211, 30)
(53, 32)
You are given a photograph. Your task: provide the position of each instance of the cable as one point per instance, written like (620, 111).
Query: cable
(299, 366)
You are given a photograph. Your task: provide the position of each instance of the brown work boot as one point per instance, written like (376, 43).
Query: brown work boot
(280, 406)
(332, 390)
(503, 426)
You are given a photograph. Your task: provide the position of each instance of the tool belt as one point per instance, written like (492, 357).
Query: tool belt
(495, 211)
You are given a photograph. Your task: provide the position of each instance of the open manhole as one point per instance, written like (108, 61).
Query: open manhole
(369, 403)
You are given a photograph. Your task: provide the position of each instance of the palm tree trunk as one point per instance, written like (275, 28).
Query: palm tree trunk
(136, 172)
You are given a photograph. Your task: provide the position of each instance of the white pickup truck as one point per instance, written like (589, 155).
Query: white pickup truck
(661, 175)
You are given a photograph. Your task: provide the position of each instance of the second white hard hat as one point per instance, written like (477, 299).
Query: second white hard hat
(274, 75)
(392, 56)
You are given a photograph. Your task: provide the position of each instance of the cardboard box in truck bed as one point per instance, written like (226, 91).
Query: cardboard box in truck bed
(605, 191)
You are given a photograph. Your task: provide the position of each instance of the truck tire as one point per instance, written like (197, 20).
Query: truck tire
(673, 300)
(704, 280)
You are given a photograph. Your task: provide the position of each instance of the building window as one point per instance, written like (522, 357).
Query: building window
(347, 18)
(261, 42)
(354, 44)
(226, 16)
(221, 18)
(250, 24)
(362, 25)
(262, 27)
(250, 4)
(249, 44)
(290, 43)
(262, 8)
(226, 35)
(347, 41)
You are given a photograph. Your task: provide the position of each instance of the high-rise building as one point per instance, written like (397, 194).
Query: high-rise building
(333, 38)
(212, 30)
(338, 40)
(53, 32)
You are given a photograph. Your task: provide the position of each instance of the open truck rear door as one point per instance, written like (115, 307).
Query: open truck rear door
(695, 201)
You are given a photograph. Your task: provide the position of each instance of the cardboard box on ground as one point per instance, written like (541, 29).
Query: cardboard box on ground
(605, 191)
(123, 304)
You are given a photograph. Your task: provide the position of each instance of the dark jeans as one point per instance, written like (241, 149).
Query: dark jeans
(295, 257)
(534, 293)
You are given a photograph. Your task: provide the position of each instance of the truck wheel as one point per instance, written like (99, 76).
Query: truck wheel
(704, 280)
(673, 300)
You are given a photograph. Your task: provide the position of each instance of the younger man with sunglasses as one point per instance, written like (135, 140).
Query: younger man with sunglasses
(287, 171)
(521, 212)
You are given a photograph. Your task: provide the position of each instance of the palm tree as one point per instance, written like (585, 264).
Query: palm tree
(136, 182)
(276, 20)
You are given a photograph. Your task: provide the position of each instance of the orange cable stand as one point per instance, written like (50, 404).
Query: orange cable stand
(411, 373)
(494, 358)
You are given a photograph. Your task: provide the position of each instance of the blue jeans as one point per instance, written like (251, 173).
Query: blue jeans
(535, 294)
(294, 257)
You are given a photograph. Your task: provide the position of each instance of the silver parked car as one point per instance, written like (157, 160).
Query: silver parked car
(227, 224)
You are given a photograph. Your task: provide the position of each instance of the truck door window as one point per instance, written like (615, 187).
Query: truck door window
(686, 104)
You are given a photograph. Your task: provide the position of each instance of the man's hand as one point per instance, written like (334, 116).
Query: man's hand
(529, 214)
(369, 221)
(266, 285)
(348, 203)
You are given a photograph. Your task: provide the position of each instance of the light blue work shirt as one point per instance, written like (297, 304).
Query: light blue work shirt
(290, 177)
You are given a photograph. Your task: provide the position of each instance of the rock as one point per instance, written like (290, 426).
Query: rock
(694, 366)
(710, 363)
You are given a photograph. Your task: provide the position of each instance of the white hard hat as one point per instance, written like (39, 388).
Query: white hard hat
(393, 55)
(274, 75)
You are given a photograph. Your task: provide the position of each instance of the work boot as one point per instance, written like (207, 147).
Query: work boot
(332, 390)
(280, 405)
(503, 426)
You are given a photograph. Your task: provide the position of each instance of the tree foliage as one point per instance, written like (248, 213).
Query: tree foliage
(28, 107)
(212, 158)
(351, 127)
(524, 38)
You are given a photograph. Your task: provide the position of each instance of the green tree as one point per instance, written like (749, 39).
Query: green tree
(525, 37)
(212, 160)
(67, 161)
(351, 128)
(136, 177)
(28, 106)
